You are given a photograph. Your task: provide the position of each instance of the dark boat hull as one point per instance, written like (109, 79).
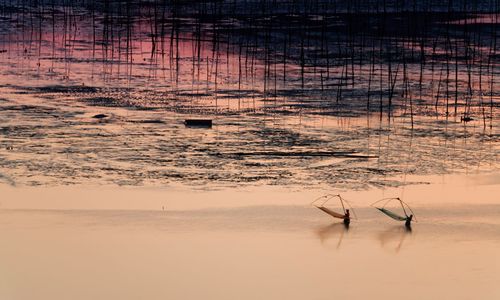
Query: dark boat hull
(204, 123)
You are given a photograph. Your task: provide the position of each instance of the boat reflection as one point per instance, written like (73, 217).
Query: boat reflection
(394, 237)
(331, 232)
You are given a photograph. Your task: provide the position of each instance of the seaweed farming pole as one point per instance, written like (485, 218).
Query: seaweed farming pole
(405, 81)
(41, 13)
(389, 78)
(393, 80)
(423, 39)
(350, 39)
(362, 44)
(154, 30)
(493, 66)
(229, 36)
(247, 54)
(198, 48)
(371, 74)
(173, 12)
(177, 54)
(381, 89)
(381, 33)
(195, 38)
(240, 73)
(302, 55)
(92, 13)
(275, 71)
(341, 81)
(267, 35)
(130, 50)
(483, 111)
(327, 46)
(252, 60)
(439, 88)
(162, 36)
(286, 41)
(215, 56)
(411, 110)
(469, 57)
(456, 76)
(479, 36)
(322, 49)
(448, 51)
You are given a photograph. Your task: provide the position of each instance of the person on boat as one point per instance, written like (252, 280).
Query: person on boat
(408, 221)
(347, 217)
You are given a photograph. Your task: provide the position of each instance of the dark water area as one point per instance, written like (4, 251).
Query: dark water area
(342, 93)
(322, 56)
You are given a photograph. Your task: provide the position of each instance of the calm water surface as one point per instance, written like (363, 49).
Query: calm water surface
(137, 206)
(99, 243)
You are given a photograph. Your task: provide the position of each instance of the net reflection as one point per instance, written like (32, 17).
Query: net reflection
(334, 231)
(393, 238)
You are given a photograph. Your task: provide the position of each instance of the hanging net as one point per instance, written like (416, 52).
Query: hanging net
(391, 214)
(331, 212)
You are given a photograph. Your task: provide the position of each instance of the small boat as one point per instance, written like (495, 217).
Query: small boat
(204, 123)
(407, 218)
(466, 119)
(100, 116)
(346, 216)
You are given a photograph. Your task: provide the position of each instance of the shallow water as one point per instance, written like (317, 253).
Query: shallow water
(56, 141)
(60, 243)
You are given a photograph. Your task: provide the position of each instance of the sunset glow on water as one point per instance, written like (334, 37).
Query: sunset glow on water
(107, 194)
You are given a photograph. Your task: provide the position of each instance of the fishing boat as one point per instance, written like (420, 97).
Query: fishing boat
(346, 215)
(201, 123)
(407, 218)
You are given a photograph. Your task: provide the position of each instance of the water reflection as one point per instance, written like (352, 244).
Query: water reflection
(334, 231)
(189, 58)
(394, 237)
